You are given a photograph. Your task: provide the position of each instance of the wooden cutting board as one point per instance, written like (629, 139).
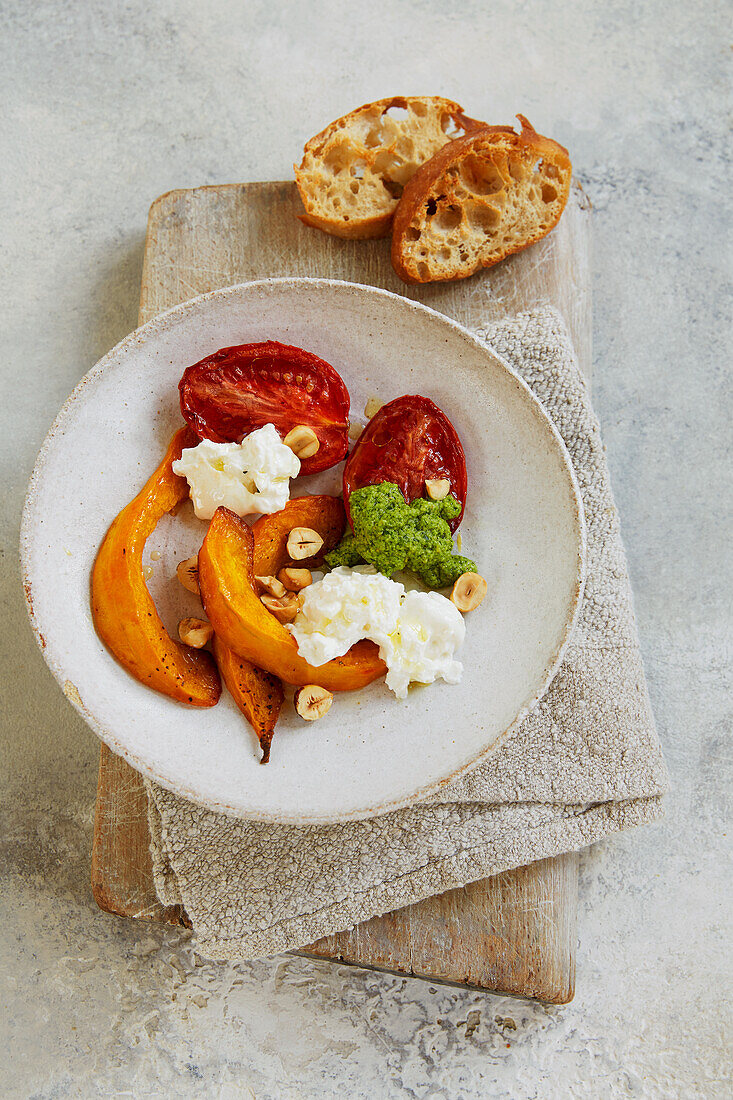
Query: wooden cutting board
(514, 932)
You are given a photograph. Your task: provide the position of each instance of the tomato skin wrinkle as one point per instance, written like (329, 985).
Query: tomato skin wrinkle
(408, 442)
(225, 396)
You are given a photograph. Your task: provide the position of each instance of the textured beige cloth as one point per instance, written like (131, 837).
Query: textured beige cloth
(585, 763)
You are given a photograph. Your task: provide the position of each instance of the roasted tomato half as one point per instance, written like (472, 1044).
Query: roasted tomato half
(237, 389)
(408, 442)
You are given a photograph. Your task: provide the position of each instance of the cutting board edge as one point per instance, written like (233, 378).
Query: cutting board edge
(113, 901)
(529, 992)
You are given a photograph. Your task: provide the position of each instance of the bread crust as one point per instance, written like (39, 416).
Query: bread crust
(508, 160)
(365, 230)
(385, 164)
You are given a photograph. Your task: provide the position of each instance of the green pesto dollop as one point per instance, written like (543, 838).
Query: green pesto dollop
(395, 536)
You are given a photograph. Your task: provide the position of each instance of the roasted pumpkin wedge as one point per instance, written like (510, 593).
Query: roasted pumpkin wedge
(323, 514)
(258, 694)
(123, 609)
(242, 622)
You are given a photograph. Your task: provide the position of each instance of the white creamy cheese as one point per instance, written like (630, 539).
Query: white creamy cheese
(418, 633)
(247, 477)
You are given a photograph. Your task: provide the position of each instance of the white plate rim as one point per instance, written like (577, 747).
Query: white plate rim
(149, 330)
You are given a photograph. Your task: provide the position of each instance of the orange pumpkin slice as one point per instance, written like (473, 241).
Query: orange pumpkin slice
(241, 621)
(124, 612)
(258, 694)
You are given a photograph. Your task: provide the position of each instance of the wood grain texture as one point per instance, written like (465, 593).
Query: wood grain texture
(514, 932)
(122, 869)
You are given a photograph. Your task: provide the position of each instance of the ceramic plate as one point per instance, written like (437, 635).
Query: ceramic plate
(372, 753)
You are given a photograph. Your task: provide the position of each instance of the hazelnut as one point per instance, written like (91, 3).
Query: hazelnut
(195, 632)
(312, 702)
(468, 591)
(284, 608)
(303, 441)
(294, 579)
(271, 585)
(303, 542)
(437, 487)
(188, 574)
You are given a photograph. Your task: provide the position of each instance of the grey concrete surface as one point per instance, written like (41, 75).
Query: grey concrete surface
(107, 104)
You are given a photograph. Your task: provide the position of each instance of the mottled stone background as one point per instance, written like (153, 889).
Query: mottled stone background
(104, 106)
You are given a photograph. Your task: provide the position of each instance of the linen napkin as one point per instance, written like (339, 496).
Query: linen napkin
(585, 763)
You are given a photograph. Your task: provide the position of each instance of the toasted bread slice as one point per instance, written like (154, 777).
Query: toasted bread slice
(477, 200)
(353, 172)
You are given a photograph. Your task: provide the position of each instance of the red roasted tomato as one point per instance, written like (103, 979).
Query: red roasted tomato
(408, 442)
(237, 389)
